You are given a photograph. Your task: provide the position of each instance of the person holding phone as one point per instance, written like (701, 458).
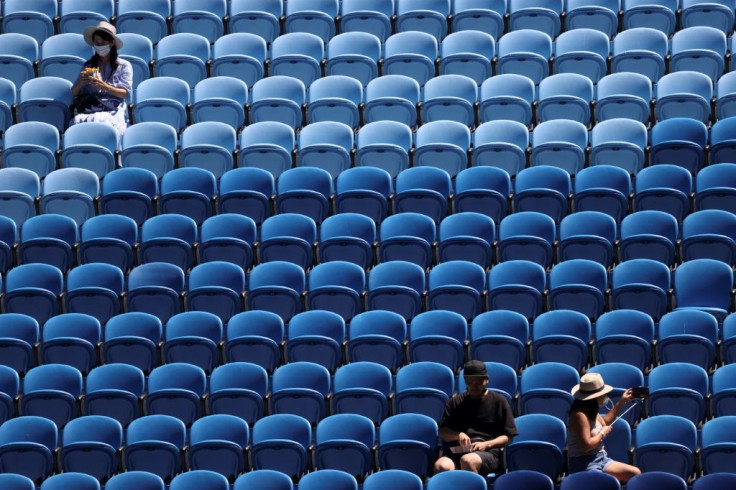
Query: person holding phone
(475, 426)
(587, 429)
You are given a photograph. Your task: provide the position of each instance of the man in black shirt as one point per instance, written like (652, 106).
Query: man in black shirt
(478, 420)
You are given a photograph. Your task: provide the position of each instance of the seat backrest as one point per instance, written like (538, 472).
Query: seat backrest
(257, 323)
(177, 375)
(162, 428)
(625, 322)
(195, 324)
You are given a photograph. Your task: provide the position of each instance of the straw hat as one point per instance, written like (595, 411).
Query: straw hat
(591, 386)
(89, 32)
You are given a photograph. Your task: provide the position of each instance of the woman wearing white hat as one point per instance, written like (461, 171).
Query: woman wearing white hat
(104, 83)
(587, 428)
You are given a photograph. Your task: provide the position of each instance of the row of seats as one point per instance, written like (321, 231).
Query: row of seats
(220, 443)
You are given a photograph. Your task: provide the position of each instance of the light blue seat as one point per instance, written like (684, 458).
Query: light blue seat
(260, 18)
(162, 99)
(507, 96)
(537, 15)
(501, 144)
(601, 15)
(149, 19)
(393, 98)
(314, 17)
(149, 145)
(624, 95)
(45, 99)
(35, 18)
(189, 191)
(410, 53)
(30, 146)
(18, 54)
(326, 145)
(199, 17)
(699, 48)
(384, 144)
(335, 98)
(479, 16)
(443, 144)
(449, 97)
(468, 53)
(561, 143)
(183, 55)
(63, 56)
(373, 17)
(641, 49)
(725, 96)
(584, 51)
(209, 145)
(565, 96)
(644, 13)
(619, 142)
(91, 146)
(221, 99)
(421, 15)
(718, 14)
(239, 55)
(684, 94)
(524, 52)
(278, 98)
(354, 54)
(298, 55)
(71, 192)
(267, 145)
(138, 50)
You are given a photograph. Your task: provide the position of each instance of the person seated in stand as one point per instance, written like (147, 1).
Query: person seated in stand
(104, 83)
(475, 426)
(587, 428)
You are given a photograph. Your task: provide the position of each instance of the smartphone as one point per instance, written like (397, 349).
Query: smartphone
(640, 392)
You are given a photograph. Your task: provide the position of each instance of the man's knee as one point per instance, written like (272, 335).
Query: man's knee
(443, 464)
(470, 462)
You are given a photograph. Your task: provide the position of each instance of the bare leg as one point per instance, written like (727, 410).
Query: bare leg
(471, 462)
(443, 464)
(622, 471)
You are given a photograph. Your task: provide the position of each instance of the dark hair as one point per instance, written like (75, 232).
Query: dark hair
(95, 59)
(588, 407)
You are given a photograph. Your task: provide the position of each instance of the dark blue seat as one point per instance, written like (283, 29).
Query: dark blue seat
(665, 443)
(193, 337)
(130, 192)
(561, 336)
(176, 390)
(217, 443)
(26, 446)
(19, 334)
(280, 443)
(217, 288)
(344, 442)
(538, 446)
(91, 445)
(114, 391)
(362, 388)
(277, 287)
(108, 239)
(545, 389)
(377, 336)
(155, 288)
(624, 336)
(133, 338)
(33, 290)
(71, 339)
(300, 388)
(238, 389)
(52, 391)
(255, 336)
(154, 444)
(316, 336)
(424, 387)
(500, 336)
(407, 442)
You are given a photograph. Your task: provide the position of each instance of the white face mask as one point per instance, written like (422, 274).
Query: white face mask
(608, 403)
(103, 50)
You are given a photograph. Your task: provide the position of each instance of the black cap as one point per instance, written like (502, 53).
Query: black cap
(475, 368)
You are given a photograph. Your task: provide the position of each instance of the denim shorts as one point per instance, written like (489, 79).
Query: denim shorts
(590, 462)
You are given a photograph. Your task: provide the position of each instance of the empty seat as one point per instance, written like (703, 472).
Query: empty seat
(538, 446)
(270, 478)
(149, 145)
(713, 188)
(155, 288)
(64, 56)
(238, 389)
(162, 99)
(362, 388)
(662, 479)
(540, 16)
(189, 192)
(483, 190)
(288, 237)
(138, 50)
(336, 287)
(209, 145)
(183, 55)
(353, 54)
(108, 239)
(527, 478)
(347, 237)
(423, 190)
(154, 444)
(669, 450)
(70, 192)
(91, 146)
(544, 189)
(561, 336)
(725, 95)
(30, 146)
(722, 397)
(222, 99)
(603, 188)
(18, 54)
(45, 99)
(246, 191)
(316, 336)
(255, 337)
(281, 442)
(649, 234)
(217, 444)
(584, 51)
(684, 382)
(51, 391)
(506, 96)
(239, 55)
(306, 191)
(19, 335)
(35, 19)
(438, 336)
(260, 18)
(228, 237)
(502, 144)
(524, 52)
(392, 97)
(641, 50)
(709, 234)
(565, 96)
(665, 188)
(418, 15)
(457, 286)
(468, 53)
(560, 144)
(527, 235)
(133, 338)
(442, 144)
(579, 285)
(683, 94)
(90, 446)
(343, 442)
(377, 336)
(71, 339)
(406, 442)
(373, 17)
(317, 18)
(517, 285)
(642, 13)
(619, 142)
(396, 286)
(449, 97)
(545, 389)
(479, 16)
(277, 287)
(384, 144)
(301, 388)
(168, 238)
(114, 391)
(335, 98)
(194, 479)
(298, 55)
(175, 390)
(33, 290)
(687, 336)
(409, 237)
(467, 236)
(624, 95)
(624, 336)
(364, 190)
(193, 337)
(327, 145)
(424, 387)
(699, 48)
(704, 284)
(26, 446)
(601, 15)
(410, 53)
(203, 18)
(722, 145)
(718, 15)
(48, 239)
(149, 20)
(587, 235)
(641, 284)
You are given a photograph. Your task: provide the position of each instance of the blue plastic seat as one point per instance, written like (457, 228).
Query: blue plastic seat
(138, 50)
(373, 17)
(641, 284)
(353, 54)
(316, 336)
(545, 389)
(343, 446)
(9, 390)
(683, 94)
(410, 53)
(19, 189)
(442, 143)
(723, 394)
(168, 238)
(543, 189)
(699, 48)
(267, 145)
(337, 479)
(256, 337)
(619, 142)
(716, 481)
(280, 443)
(129, 192)
(722, 144)
(704, 284)
(397, 479)
(300, 388)
(150, 146)
(423, 387)
(681, 142)
(108, 239)
(222, 99)
(664, 188)
(35, 18)
(26, 446)
(305, 191)
(448, 97)
(18, 54)
(189, 192)
(501, 144)
(133, 338)
(622, 376)
(524, 52)
(687, 336)
(624, 336)
(717, 445)
(267, 478)
(71, 339)
(208, 145)
(194, 479)
(383, 144)
(217, 444)
(604, 189)
(148, 19)
(586, 479)
(641, 50)
(406, 442)
(365, 191)
(518, 286)
(239, 55)
(162, 99)
(467, 53)
(644, 13)
(336, 287)
(472, 15)
(297, 55)
(193, 337)
(588, 235)
(229, 238)
(483, 190)
(536, 15)
(565, 96)
(561, 144)
(396, 286)
(506, 96)
(13, 481)
(312, 17)
(19, 335)
(8, 100)
(154, 444)
(601, 15)
(453, 479)
(583, 51)
(362, 388)
(33, 290)
(561, 336)
(289, 237)
(155, 288)
(467, 236)
(438, 336)
(718, 14)
(709, 234)
(63, 56)
(198, 17)
(662, 479)
(725, 95)
(52, 391)
(649, 234)
(183, 55)
(377, 336)
(70, 192)
(423, 190)
(457, 286)
(347, 237)
(713, 188)
(238, 389)
(90, 446)
(579, 285)
(527, 235)
(326, 145)
(277, 287)
(260, 18)
(176, 390)
(8, 240)
(114, 391)
(623, 95)
(418, 15)
(679, 389)
(246, 191)
(538, 446)
(335, 98)
(30, 146)
(409, 237)
(391, 97)
(666, 443)
(90, 146)
(48, 239)
(530, 479)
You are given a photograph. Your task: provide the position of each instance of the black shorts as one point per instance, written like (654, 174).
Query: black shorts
(492, 461)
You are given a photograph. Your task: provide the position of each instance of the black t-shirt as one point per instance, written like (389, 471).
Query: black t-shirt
(482, 419)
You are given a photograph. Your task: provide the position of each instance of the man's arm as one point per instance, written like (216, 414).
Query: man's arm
(499, 441)
(449, 435)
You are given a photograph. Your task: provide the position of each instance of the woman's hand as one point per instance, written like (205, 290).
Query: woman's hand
(626, 397)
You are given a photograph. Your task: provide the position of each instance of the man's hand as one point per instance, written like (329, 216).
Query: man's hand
(481, 446)
(463, 439)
